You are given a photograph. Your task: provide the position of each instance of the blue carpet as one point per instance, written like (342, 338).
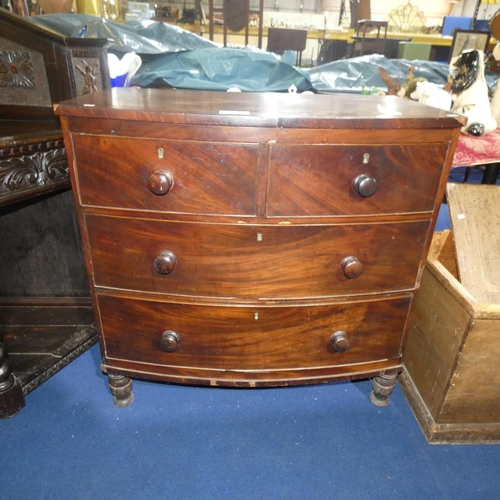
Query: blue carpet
(176, 442)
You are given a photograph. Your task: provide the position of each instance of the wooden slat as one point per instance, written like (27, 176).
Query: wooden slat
(475, 219)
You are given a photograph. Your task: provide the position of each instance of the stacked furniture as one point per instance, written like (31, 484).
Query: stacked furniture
(46, 315)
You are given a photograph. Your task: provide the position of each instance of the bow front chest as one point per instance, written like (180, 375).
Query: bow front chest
(254, 239)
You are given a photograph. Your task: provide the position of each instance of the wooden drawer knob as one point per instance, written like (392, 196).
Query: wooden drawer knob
(165, 262)
(351, 267)
(340, 341)
(364, 185)
(169, 341)
(161, 182)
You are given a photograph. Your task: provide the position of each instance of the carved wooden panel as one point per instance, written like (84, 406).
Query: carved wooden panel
(31, 166)
(23, 79)
(88, 77)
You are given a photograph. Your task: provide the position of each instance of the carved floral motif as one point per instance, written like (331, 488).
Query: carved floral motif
(20, 173)
(16, 70)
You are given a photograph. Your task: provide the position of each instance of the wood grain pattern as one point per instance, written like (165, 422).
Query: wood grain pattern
(242, 260)
(451, 378)
(266, 109)
(206, 174)
(318, 180)
(435, 338)
(252, 338)
(475, 220)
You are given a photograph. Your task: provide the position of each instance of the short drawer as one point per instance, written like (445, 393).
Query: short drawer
(168, 176)
(252, 338)
(225, 260)
(315, 180)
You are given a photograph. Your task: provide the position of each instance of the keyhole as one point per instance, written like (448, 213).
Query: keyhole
(160, 153)
(366, 158)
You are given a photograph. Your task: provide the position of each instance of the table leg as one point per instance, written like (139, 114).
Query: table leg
(11, 393)
(491, 172)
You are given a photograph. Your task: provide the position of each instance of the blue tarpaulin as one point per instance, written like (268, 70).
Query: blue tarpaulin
(173, 57)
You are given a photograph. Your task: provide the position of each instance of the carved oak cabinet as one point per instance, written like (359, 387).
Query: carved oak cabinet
(254, 239)
(46, 315)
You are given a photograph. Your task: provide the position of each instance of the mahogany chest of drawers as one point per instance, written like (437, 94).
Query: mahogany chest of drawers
(254, 239)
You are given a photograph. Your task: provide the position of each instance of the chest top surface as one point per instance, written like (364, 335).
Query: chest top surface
(258, 109)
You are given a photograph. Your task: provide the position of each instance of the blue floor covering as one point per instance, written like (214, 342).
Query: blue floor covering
(178, 442)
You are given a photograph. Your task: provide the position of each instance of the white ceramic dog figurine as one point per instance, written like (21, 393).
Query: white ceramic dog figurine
(469, 93)
(433, 95)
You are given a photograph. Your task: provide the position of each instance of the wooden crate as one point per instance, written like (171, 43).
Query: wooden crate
(451, 375)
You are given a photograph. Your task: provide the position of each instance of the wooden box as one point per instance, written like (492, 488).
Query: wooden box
(451, 375)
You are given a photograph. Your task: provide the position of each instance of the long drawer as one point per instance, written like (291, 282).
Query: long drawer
(198, 177)
(252, 338)
(316, 180)
(252, 261)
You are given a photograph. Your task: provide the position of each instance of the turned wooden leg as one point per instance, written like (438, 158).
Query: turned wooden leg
(11, 392)
(121, 388)
(382, 389)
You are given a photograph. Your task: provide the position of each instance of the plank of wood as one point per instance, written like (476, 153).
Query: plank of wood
(475, 220)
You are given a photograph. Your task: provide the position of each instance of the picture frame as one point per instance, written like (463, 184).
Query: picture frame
(468, 39)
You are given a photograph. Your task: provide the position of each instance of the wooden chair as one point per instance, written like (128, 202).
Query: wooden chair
(365, 42)
(236, 15)
(281, 39)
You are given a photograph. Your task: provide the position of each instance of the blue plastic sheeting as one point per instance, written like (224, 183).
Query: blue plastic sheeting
(350, 75)
(173, 57)
(143, 38)
(223, 68)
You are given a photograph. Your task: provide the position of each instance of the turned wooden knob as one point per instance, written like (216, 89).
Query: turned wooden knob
(165, 262)
(169, 341)
(351, 267)
(340, 341)
(364, 185)
(161, 182)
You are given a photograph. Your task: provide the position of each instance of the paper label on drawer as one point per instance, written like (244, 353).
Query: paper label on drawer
(233, 112)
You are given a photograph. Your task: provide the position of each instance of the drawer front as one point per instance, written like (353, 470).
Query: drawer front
(227, 261)
(252, 338)
(320, 180)
(205, 178)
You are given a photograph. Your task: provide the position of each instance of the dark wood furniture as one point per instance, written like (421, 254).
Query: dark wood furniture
(254, 239)
(236, 17)
(46, 316)
(369, 39)
(281, 39)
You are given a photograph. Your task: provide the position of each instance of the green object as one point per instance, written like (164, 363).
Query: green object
(414, 50)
